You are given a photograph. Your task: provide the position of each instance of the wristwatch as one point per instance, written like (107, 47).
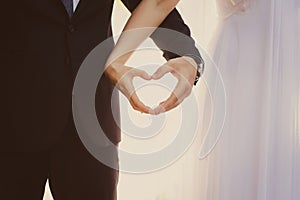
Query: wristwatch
(200, 67)
(198, 59)
(200, 70)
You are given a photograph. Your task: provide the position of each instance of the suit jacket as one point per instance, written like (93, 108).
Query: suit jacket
(41, 50)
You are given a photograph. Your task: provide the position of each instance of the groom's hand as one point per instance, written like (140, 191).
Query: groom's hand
(122, 76)
(185, 70)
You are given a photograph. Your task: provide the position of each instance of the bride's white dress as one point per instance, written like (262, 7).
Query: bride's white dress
(258, 154)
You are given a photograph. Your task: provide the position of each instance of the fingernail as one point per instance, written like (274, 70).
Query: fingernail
(151, 112)
(158, 110)
(155, 111)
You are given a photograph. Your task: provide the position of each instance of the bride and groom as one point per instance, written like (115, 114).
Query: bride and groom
(44, 44)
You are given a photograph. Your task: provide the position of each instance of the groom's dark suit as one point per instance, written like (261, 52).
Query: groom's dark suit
(41, 51)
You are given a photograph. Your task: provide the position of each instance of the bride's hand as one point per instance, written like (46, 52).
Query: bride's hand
(122, 77)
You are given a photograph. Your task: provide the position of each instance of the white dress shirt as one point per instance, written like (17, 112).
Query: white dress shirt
(75, 3)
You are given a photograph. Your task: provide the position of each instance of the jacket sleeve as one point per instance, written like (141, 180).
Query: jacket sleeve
(181, 46)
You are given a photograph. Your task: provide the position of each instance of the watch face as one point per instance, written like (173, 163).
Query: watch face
(200, 71)
(197, 78)
(201, 67)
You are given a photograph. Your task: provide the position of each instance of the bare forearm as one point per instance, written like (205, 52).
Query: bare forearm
(147, 16)
(150, 13)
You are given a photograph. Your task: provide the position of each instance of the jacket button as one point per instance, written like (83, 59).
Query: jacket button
(71, 28)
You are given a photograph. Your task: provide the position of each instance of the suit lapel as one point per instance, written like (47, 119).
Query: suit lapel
(55, 8)
(60, 4)
(79, 9)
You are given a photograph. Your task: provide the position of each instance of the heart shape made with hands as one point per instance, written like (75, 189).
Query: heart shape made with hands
(154, 92)
(181, 90)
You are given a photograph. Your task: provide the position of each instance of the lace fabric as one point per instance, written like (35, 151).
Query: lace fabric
(226, 8)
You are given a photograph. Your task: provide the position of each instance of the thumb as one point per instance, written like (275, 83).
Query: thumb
(142, 74)
(160, 72)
